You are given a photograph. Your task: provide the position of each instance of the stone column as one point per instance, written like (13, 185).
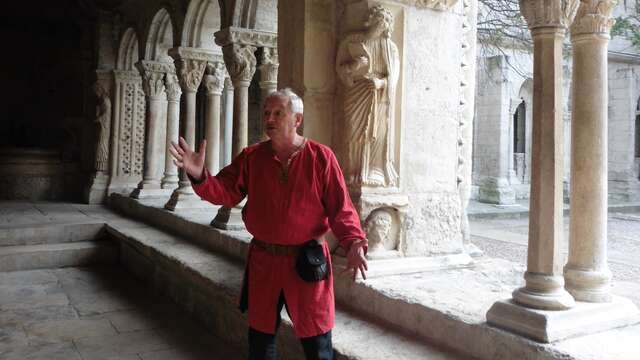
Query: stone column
(544, 287)
(153, 74)
(534, 309)
(170, 179)
(240, 61)
(268, 78)
(190, 69)
(214, 83)
(228, 121)
(587, 274)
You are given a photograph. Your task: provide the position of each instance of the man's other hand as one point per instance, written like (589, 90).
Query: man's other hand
(192, 162)
(356, 259)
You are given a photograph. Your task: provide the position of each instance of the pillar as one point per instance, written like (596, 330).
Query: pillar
(153, 74)
(228, 121)
(543, 310)
(268, 78)
(190, 71)
(240, 61)
(587, 274)
(170, 178)
(214, 83)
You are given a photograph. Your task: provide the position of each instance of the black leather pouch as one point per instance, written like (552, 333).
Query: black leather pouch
(311, 263)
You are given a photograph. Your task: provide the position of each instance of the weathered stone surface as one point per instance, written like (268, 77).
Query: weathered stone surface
(101, 347)
(67, 330)
(60, 351)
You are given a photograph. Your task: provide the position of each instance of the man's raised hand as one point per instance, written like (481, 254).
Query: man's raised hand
(192, 162)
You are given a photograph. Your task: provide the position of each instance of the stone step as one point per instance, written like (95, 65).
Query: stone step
(46, 256)
(207, 285)
(49, 233)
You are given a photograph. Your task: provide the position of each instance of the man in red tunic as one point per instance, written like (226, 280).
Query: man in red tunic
(295, 192)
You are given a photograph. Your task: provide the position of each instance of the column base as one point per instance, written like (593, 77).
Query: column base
(96, 193)
(588, 285)
(229, 218)
(549, 326)
(169, 184)
(496, 191)
(144, 193)
(391, 263)
(184, 200)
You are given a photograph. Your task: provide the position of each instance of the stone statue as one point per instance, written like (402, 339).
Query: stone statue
(378, 229)
(103, 124)
(368, 66)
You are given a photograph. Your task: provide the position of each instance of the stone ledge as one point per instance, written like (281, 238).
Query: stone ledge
(208, 284)
(444, 307)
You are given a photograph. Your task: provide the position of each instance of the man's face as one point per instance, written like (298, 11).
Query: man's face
(279, 121)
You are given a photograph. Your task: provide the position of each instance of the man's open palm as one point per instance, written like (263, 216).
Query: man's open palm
(185, 158)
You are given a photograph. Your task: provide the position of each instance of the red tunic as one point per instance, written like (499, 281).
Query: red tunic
(312, 200)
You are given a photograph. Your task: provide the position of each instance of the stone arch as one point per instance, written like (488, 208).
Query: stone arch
(160, 36)
(128, 50)
(250, 14)
(201, 22)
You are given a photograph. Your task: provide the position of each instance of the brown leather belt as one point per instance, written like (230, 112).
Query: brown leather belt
(277, 249)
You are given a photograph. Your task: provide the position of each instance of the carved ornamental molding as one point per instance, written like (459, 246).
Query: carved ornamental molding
(126, 75)
(233, 35)
(214, 80)
(184, 52)
(269, 66)
(240, 61)
(153, 73)
(441, 5)
(173, 87)
(190, 73)
(549, 13)
(594, 17)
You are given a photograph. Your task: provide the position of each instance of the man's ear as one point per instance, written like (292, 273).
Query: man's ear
(299, 118)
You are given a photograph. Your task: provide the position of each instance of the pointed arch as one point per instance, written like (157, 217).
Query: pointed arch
(201, 22)
(159, 36)
(128, 50)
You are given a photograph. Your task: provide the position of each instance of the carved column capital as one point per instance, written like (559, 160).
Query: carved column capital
(241, 62)
(269, 67)
(153, 77)
(173, 87)
(549, 13)
(190, 65)
(190, 72)
(214, 79)
(594, 17)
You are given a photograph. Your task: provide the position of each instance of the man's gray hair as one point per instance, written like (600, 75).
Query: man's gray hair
(295, 102)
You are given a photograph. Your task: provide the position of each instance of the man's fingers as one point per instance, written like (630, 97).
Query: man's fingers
(362, 272)
(184, 145)
(179, 164)
(175, 154)
(203, 146)
(177, 148)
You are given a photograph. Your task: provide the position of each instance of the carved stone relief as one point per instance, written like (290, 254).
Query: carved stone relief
(269, 65)
(382, 227)
(240, 61)
(173, 87)
(368, 66)
(190, 73)
(214, 80)
(431, 4)
(594, 16)
(103, 125)
(549, 13)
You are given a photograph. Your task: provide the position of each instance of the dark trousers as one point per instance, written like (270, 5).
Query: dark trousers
(262, 346)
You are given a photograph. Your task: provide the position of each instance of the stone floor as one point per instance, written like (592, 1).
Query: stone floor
(507, 239)
(96, 313)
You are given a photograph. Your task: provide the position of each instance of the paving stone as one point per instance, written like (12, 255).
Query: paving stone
(102, 347)
(135, 320)
(12, 336)
(31, 296)
(39, 314)
(59, 351)
(67, 330)
(27, 277)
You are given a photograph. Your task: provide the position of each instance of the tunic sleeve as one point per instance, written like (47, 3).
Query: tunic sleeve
(228, 187)
(343, 218)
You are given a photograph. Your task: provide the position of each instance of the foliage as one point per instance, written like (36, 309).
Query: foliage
(629, 26)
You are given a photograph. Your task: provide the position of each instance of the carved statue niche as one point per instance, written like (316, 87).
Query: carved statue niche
(103, 126)
(368, 66)
(381, 227)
